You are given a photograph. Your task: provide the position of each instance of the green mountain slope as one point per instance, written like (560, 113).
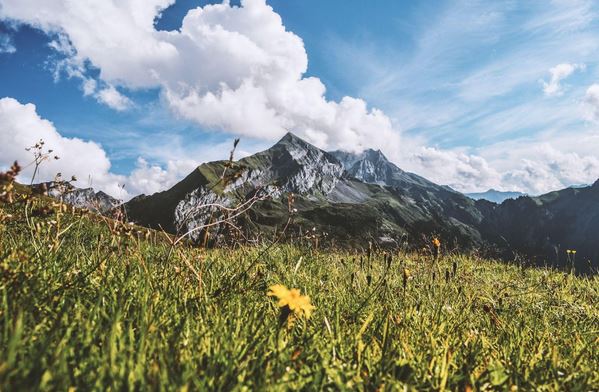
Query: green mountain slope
(545, 227)
(328, 198)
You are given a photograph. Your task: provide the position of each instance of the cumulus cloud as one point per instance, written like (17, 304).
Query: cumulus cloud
(114, 99)
(461, 171)
(533, 168)
(232, 68)
(6, 44)
(550, 169)
(559, 73)
(147, 179)
(508, 166)
(21, 127)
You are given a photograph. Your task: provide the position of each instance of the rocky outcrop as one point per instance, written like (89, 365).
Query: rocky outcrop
(86, 198)
(291, 165)
(373, 167)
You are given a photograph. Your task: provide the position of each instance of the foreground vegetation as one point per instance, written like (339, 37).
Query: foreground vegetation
(91, 303)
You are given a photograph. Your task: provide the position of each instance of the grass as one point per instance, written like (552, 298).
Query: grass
(88, 303)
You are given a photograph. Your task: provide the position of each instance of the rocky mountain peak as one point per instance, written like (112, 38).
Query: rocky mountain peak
(374, 156)
(372, 166)
(292, 142)
(298, 149)
(302, 167)
(291, 138)
(79, 197)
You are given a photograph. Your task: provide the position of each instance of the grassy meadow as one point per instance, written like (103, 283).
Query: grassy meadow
(88, 303)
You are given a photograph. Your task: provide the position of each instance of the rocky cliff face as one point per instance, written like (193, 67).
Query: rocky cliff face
(291, 165)
(299, 167)
(371, 166)
(80, 197)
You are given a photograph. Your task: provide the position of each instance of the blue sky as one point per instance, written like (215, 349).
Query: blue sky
(474, 94)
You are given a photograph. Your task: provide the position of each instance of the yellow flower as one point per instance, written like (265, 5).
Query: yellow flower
(297, 304)
(436, 242)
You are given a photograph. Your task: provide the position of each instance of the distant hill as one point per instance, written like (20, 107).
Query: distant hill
(495, 196)
(544, 227)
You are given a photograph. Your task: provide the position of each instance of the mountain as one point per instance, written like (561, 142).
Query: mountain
(79, 197)
(328, 198)
(544, 227)
(291, 165)
(495, 196)
(353, 199)
(373, 167)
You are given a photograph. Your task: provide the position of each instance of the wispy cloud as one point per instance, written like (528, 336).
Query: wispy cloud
(478, 74)
(6, 44)
(558, 73)
(462, 80)
(591, 100)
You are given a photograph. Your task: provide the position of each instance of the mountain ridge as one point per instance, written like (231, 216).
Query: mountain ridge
(86, 198)
(495, 195)
(327, 197)
(372, 166)
(360, 198)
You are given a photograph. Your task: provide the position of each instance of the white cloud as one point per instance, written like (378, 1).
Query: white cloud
(591, 101)
(113, 99)
(148, 179)
(559, 73)
(509, 166)
(21, 127)
(461, 171)
(232, 68)
(74, 67)
(550, 169)
(89, 86)
(6, 44)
